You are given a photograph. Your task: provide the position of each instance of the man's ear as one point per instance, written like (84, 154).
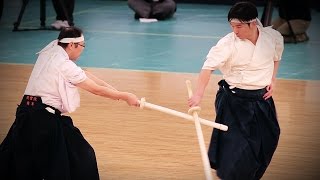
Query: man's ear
(70, 45)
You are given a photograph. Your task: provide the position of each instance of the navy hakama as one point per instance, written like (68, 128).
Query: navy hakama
(245, 150)
(45, 145)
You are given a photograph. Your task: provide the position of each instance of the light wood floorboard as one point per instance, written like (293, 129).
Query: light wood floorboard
(143, 144)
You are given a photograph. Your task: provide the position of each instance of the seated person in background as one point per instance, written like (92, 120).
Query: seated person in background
(153, 9)
(294, 20)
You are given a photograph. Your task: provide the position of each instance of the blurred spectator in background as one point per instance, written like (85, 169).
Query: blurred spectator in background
(153, 9)
(294, 20)
(63, 11)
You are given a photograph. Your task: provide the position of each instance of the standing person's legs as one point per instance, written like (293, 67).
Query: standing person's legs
(69, 4)
(62, 20)
(59, 11)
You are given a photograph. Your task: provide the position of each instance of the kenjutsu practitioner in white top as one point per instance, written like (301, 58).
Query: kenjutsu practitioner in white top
(42, 143)
(249, 59)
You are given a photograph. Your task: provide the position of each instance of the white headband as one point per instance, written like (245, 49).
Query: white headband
(64, 40)
(235, 20)
(72, 40)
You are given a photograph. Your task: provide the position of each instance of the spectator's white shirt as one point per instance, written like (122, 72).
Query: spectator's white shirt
(53, 78)
(243, 64)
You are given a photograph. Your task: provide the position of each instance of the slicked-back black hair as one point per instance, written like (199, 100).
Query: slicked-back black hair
(244, 11)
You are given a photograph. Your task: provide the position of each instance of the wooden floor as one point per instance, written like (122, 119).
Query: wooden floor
(143, 144)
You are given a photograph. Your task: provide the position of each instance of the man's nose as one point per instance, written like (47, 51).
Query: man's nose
(235, 30)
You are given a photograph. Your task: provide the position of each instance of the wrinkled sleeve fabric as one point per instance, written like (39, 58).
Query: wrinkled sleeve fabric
(219, 54)
(71, 72)
(71, 75)
(279, 44)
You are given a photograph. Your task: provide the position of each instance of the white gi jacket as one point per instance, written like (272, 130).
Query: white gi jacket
(53, 78)
(243, 64)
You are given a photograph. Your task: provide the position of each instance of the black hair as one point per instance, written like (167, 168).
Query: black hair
(69, 32)
(244, 11)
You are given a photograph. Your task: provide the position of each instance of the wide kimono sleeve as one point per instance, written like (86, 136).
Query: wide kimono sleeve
(71, 72)
(219, 54)
(279, 43)
(70, 76)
